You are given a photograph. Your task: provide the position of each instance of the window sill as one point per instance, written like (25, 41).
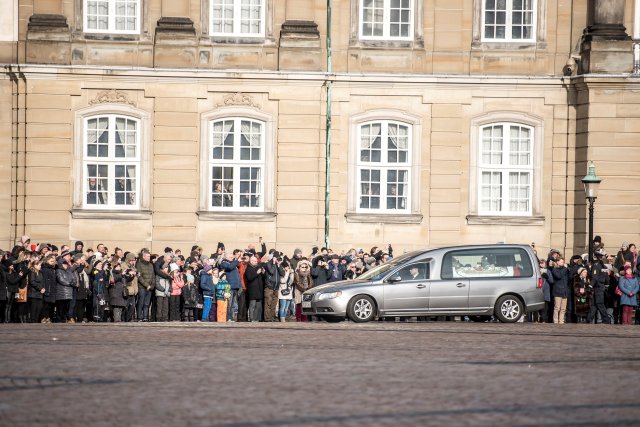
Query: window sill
(237, 216)
(504, 220)
(386, 44)
(522, 46)
(110, 214)
(384, 218)
(111, 37)
(237, 40)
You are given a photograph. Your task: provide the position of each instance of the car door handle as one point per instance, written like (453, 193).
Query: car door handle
(421, 286)
(461, 285)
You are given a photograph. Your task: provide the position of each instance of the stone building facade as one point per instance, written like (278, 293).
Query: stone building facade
(163, 122)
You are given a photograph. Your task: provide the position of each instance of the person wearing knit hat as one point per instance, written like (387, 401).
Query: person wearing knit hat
(77, 257)
(581, 295)
(25, 240)
(78, 248)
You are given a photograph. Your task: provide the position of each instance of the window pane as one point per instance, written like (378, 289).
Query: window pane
(222, 186)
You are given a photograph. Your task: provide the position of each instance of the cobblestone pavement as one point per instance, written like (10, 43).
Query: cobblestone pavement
(319, 374)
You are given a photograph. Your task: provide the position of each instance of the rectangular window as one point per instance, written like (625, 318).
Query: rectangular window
(112, 16)
(111, 162)
(243, 18)
(384, 166)
(508, 20)
(237, 164)
(506, 169)
(486, 263)
(386, 19)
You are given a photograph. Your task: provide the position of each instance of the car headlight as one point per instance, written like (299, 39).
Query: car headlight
(329, 295)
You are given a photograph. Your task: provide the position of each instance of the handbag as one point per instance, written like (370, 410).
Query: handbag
(286, 291)
(21, 296)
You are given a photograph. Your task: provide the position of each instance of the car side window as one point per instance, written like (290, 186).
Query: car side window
(486, 263)
(411, 272)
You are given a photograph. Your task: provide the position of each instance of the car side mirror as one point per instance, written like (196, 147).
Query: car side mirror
(394, 279)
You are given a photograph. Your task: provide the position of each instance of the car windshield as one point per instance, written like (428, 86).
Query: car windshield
(381, 270)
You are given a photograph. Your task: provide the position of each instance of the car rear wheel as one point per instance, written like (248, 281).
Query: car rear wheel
(362, 309)
(509, 309)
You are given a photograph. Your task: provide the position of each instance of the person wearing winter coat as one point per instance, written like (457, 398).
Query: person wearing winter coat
(65, 282)
(254, 279)
(177, 283)
(546, 316)
(599, 285)
(162, 287)
(274, 273)
(146, 285)
(50, 288)
(561, 293)
(582, 295)
(3, 291)
(229, 265)
(209, 309)
(223, 294)
(189, 296)
(131, 275)
(302, 282)
(285, 292)
(629, 287)
(100, 279)
(83, 294)
(320, 271)
(36, 290)
(117, 297)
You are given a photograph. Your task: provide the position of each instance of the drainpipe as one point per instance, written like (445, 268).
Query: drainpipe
(23, 77)
(15, 114)
(636, 37)
(327, 172)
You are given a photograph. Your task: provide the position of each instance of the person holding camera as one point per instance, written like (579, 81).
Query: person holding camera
(285, 291)
(274, 273)
(208, 291)
(229, 265)
(320, 271)
(117, 292)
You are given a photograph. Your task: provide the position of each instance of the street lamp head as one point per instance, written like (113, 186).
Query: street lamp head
(591, 182)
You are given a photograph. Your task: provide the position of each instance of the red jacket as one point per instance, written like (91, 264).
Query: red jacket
(177, 283)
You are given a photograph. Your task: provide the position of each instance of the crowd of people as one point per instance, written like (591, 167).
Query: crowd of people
(603, 290)
(43, 283)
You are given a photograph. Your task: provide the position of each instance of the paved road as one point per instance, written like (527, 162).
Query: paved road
(381, 374)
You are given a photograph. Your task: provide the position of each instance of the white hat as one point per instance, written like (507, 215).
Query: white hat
(173, 267)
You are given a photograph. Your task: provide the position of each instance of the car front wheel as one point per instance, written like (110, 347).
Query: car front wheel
(362, 309)
(509, 309)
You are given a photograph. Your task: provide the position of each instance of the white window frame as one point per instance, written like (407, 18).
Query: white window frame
(111, 161)
(413, 214)
(237, 19)
(236, 163)
(384, 166)
(142, 209)
(267, 209)
(509, 24)
(386, 22)
(111, 27)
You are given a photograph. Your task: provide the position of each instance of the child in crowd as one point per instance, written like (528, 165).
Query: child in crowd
(189, 296)
(177, 283)
(223, 293)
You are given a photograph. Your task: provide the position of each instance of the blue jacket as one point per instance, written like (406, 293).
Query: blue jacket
(560, 282)
(206, 284)
(337, 272)
(628, 287)
(233, 275)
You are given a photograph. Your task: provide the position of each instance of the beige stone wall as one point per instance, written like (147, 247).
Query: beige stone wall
(6, 144)
(444, 43)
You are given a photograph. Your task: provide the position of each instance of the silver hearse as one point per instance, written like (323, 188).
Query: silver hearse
(476, 281)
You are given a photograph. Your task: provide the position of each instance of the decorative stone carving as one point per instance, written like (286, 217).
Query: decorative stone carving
(112, 96)
(238, 98)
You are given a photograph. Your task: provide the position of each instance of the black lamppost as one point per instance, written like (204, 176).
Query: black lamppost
(591, 183)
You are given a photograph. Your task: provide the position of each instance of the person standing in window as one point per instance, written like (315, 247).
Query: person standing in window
(95, 195)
